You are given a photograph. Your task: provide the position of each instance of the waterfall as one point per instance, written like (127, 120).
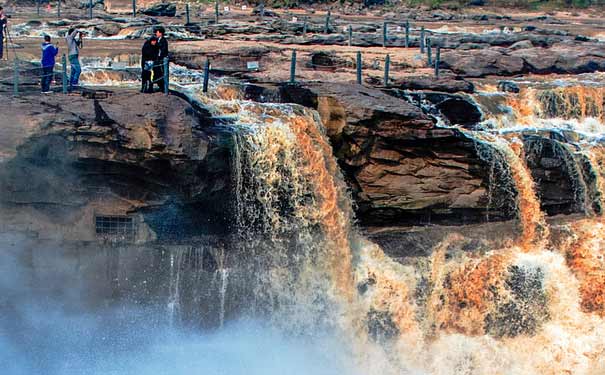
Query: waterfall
(457, 312)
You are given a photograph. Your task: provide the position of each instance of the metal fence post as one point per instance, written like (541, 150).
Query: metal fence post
(359, 66)
(90, 9)
(64, 73)
(58, 8)
(261, 10)
(327, 25)
(293, 67)
(38, 7)
(187, 14)
(422, 39)
(385, 36)
(350, 35)
(305, 27)
(16, 79)
(134, 8)
(407, 34)
(206, 76)
(429, 52)
(387, 66)
(437, 61)
(216, 12)
(166, 75)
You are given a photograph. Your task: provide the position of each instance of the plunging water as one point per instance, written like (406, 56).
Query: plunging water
(458, 312)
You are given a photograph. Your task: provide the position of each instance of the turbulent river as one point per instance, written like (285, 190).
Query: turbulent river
(309, 294)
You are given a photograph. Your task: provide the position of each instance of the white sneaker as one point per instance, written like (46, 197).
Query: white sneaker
(47, 92)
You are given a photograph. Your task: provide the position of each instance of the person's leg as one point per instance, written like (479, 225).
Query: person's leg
(74, 76)
(43, 79)
(1, 46)
(50, 74)
(47, 76)
(145, 78)
(158, 76)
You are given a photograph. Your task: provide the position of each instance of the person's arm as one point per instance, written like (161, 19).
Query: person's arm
(56, 50)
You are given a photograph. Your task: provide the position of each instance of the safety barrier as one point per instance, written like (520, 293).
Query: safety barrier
(426, 46)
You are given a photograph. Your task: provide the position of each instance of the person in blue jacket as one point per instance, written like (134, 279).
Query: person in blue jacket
(49, 51)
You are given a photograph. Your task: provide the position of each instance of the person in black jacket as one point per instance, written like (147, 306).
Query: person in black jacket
(162, 46)
(148, 60)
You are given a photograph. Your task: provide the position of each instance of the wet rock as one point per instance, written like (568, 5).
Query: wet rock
(508, 86)
(161, 10)
(400, 167)
(86, 4)
(443, 84)
(525, 310)
(77, 155)
(450, 108)
(560, 183)
(381, 326)
(521, 45)
(108, 28)
(566, 57)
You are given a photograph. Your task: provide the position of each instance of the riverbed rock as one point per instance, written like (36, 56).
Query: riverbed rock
(160, 10)
(565, 57)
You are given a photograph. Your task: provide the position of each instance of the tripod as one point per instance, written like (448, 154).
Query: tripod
(8, 39)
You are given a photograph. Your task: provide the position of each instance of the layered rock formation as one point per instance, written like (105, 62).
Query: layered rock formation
(76, 157)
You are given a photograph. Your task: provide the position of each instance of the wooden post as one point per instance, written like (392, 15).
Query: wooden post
(90, 9)
(387, 66)
(206, 76)
(437, 61)
(407, 34)
(350, 35)
(16, 79)
(216, 12)
(64, 73)
(385, 37)
(359, 66)
(327, 25)
(422, 39)
(429, 52)
(166, 75)
(187, 16)
(293, 67)
(134, 8)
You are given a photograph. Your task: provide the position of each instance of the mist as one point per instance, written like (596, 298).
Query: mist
(47, 328)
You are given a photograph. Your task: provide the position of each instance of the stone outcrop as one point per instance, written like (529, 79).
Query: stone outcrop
(114, 154)
(566, 57)
(400, 166)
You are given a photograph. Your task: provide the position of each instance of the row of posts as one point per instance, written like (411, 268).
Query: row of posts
(387, 66)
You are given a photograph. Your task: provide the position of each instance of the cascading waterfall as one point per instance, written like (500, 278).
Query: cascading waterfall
(461, 313)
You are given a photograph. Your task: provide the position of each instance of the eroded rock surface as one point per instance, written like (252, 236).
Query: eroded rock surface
(124, 153)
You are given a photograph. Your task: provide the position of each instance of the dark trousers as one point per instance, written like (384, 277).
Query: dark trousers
(1, 44)
(47, 77)
(146, 84)
(158, 75)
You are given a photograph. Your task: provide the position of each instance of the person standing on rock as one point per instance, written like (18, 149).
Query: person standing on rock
(3, 22)
(148, 57)
(74, 44)
(162, 46)
(49, 52)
